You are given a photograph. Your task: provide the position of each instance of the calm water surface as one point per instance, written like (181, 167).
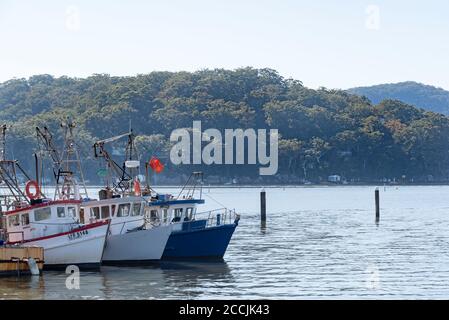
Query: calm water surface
(320, 242)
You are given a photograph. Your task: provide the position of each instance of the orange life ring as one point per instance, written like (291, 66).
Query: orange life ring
(32, 184)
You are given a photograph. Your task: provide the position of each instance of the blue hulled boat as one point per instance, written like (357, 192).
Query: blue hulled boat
(195, 235)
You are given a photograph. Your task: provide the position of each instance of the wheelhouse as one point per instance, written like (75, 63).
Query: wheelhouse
(125, 213)
(168, 210)
(40, 220)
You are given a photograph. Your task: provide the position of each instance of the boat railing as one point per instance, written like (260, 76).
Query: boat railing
(218, 217)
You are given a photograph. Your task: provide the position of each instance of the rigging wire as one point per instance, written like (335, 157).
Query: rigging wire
(216, 201)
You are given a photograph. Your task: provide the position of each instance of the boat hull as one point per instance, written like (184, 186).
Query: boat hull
(82, 247)
(202, 244)
(136, 247)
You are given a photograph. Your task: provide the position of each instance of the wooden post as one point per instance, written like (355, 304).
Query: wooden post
(376, 198)
(263, 208)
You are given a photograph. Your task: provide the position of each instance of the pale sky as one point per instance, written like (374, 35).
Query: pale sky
(336, 44)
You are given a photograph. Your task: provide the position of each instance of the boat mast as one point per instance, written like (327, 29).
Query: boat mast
(70, 159)
(65, 163)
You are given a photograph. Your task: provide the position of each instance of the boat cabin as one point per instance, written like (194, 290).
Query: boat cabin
(41, 219)
(125, 213)
(167, 210)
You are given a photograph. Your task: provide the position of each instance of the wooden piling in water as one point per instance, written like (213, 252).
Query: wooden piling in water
(376, 199)
(263, 207)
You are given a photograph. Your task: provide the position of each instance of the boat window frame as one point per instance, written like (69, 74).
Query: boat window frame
(46, 210)
(81, 214)
(58, 213)
(178, 212)
(154, 217)
(27, 222)
(165, 215)
(189, 213)
(133, 213)
(93, 214)
(16, 217)
(123, 205)
(69, 214)
(108, 213)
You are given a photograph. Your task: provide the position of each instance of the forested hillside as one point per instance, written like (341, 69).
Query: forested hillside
(417, 94)
(323, 132)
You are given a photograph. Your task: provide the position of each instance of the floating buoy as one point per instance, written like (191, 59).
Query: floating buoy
(37, 192)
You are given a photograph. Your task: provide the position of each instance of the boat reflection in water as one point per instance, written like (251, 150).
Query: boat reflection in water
(172, 280)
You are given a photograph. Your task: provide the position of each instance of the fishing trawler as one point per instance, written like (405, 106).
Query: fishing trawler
(131, 239)
(195, 235)
(31, 219)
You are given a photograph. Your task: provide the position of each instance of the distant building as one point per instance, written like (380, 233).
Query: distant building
(334, 178)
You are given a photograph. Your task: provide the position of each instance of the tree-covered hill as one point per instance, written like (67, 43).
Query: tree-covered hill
(417, 94)
(323, 132)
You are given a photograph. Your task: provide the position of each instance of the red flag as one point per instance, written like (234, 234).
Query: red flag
(156, 165)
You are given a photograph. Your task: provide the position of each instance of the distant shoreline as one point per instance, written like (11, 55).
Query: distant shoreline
(277, 186)
(237, 186)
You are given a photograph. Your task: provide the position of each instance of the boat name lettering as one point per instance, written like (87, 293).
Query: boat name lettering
(78, 234)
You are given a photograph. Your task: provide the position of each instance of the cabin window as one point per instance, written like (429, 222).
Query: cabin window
(71, 212)
(25, 219)
(113, 210)
(105, 212)
(123, 210)
(95, 212)
(61, 212)
(82, 215)
(42, 214)
(165, 214)
(136, 209)
(189, 213)
(14, 221)
(153, 215)
(178, 215)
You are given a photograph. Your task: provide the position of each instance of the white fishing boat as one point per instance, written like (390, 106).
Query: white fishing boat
(31, 219)
(54, 225)
(131, 240)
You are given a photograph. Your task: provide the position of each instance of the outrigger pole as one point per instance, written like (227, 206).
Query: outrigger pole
(46, 138)
(8, 176)
(120, 171)
(191, 185)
